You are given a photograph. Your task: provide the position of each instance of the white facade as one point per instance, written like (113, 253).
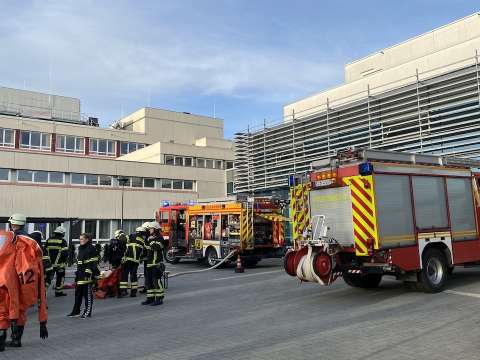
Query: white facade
(60, 170)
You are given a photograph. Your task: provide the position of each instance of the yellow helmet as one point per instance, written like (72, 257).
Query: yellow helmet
(18, 219)
(118, 232)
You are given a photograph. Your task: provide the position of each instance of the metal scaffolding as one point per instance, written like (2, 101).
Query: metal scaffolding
(435, 114)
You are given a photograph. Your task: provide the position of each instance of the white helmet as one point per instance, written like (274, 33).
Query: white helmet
(18, 219)
(59, 230)
(153, 225)
(145, 224)
(118, 232)
(140, 229)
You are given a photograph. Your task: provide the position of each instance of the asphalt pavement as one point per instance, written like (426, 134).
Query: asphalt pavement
(265, 314)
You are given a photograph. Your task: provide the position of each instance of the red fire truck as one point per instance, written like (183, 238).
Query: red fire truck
(208, 232)
(366, 213)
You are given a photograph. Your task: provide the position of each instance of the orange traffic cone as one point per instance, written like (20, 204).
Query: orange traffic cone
(239, 268)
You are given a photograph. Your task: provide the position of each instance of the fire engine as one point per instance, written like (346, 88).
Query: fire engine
(367, 213)
(208, 232)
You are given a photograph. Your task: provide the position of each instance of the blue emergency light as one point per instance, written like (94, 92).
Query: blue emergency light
(166, 203)
(365, 169)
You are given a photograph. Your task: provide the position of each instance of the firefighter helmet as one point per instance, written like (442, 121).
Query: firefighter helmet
(18, 219)
(59, 230)
(118, 233)
(153, 225)
(145, 224)
(140, 229)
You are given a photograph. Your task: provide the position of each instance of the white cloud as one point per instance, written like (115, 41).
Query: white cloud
(116, 50)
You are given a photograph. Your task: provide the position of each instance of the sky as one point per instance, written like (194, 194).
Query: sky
(239, 60)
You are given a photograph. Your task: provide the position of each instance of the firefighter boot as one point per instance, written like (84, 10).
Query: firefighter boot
(147, 302)
(16, 337)
(158, 301)
(3, 337)
(133, 293)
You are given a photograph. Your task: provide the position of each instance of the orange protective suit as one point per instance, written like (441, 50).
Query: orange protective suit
(21, 280)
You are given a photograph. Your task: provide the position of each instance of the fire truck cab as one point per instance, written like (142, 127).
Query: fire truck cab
(367, 213)
(209, 232)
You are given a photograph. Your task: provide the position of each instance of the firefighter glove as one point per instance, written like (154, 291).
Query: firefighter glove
(43, 330)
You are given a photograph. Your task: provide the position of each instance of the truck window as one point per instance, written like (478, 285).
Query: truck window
(462, 213)
(394, 210)
(430, 202)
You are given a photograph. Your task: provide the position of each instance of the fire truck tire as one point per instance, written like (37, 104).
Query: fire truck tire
(170, 258)
(211, 257)
(368, 281)
(434, 272)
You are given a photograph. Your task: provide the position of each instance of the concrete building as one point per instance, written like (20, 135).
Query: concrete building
(58, 167)
(422, 95)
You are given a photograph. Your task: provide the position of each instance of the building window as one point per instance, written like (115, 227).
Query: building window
(24, 175)
(40, 176)
(91, 227)
(230, 188)
(178, 184)
(137, 182)
(71, 144)
(7, 138)
(78, 179)
(4, 174)
(229, 165)
(169, 159)
(201, 163)
(178, 161)
(91, 180)
(149, 183)
(75, 229)
(188, 184)
(218, 164)
(56, 177)
(124, 181)
(166, 183)
(104, 229)
(128, 147)
(102, 147)
(105, 180)
(35, 140)
(188, 161)
(209, 163)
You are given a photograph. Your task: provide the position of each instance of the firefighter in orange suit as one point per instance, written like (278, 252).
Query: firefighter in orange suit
(22, 284)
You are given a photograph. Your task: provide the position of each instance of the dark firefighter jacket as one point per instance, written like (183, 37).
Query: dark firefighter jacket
(58, 251)
(154, 247)
(87, 264)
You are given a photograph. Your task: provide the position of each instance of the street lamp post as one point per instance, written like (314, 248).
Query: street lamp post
(122, 181)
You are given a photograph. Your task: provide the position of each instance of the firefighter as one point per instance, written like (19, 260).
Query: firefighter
(58, 250)
(21, 282)
(130, 262)
(85, 277)
(145, 246)
(47, 264)
(115, 250)
(155, 266)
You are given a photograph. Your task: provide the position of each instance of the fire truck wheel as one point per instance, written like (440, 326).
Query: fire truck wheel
(352, 279)
(170, 258)
(434, 273)
(211, 257)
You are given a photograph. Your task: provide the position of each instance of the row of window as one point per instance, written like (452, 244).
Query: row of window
(34, 140)
(189, 161)
(54, 177)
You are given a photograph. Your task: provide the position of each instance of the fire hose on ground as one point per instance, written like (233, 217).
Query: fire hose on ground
(233, 252)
